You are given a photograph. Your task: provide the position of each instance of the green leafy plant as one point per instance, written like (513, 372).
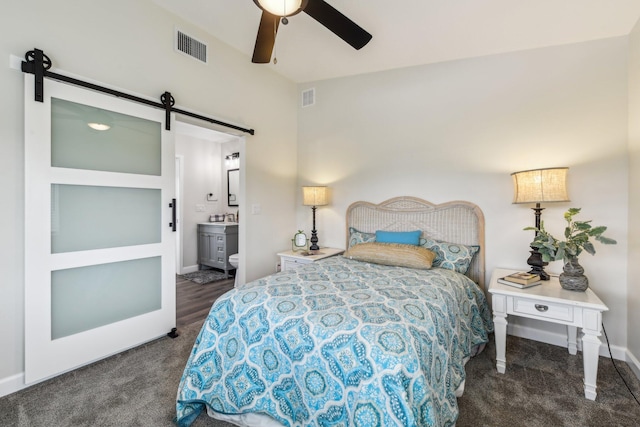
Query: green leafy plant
(577, 238)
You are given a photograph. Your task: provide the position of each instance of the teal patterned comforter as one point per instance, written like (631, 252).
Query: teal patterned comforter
(338, 342)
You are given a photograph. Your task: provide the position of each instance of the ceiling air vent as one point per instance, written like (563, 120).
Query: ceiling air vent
(190, 46)
(308, 97)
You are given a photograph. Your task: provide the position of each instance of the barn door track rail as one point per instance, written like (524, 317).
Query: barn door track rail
(38, 64)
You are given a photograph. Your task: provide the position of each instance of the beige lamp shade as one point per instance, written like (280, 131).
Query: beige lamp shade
(540, 185)
(314, 196)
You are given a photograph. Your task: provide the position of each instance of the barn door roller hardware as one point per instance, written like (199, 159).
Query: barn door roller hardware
(38, 64)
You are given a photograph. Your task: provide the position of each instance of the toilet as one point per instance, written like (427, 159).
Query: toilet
(234, 260)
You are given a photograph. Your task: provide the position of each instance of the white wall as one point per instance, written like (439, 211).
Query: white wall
(633, 288)
(129, 44)
(457, 130)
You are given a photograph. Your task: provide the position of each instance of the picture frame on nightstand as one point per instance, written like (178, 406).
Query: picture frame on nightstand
(300, 242)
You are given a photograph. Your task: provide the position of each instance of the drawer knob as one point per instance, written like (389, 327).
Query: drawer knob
(542, 308)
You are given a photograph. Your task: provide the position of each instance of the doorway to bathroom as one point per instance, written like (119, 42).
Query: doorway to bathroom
(203, 195)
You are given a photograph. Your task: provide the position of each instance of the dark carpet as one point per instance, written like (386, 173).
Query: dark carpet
(542, 387)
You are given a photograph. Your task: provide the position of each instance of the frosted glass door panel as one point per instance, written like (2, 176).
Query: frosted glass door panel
(89, 297)
(99, 249)
(93, 217)
(127, 144)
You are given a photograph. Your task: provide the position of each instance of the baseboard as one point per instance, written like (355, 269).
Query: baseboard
(618, 353)
(190, 269)
(12, 384)
(633, 363)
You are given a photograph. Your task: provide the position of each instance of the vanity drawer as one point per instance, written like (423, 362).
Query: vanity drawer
(542, 310)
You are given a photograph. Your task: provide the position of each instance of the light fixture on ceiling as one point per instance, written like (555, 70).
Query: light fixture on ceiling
(535, 186)
(276, 11)
(281, 8)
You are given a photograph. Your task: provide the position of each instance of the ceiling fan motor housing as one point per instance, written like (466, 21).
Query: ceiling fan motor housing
(282, 8)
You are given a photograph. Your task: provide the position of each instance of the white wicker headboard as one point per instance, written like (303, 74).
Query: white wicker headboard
(456, 222)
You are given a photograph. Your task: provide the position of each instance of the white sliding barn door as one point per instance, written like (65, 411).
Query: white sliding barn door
(99, 255)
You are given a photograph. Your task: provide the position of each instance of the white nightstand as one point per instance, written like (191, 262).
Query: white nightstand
(550, 303)
(290, 259)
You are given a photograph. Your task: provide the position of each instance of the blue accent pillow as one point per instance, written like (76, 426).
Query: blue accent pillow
(357, 237)
(451, 256)
(403, 237)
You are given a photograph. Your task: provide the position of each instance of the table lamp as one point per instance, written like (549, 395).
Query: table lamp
(314, 196)
(540, 186)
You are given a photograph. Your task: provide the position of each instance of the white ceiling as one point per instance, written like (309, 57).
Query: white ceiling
(411, 32)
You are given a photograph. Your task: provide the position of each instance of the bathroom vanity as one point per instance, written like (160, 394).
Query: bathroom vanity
(216, 241)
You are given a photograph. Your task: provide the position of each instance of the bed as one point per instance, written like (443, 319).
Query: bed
(343, 341)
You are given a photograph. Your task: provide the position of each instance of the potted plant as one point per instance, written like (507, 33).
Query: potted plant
(577, 238)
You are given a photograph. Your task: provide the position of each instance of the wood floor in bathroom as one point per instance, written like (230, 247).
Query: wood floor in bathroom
(193, 301)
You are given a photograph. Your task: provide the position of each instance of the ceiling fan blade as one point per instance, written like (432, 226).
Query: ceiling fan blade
(266, 38)
(339, 24)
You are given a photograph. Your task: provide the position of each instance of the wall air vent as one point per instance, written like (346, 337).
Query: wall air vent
(190, 46)
(308, 97)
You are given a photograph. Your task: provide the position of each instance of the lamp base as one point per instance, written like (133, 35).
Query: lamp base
(314, 241)
(314, 234)
(537, 264)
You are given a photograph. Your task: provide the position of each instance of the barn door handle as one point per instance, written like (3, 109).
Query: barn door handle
(173, 222)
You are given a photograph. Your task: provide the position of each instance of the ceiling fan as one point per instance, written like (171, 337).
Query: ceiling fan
(275, 10)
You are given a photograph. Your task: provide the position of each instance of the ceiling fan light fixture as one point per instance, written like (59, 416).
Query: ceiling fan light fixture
(274, 12)
(281, 7)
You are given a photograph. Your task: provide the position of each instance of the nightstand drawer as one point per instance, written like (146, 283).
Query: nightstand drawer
(288, 264)
(542, 310)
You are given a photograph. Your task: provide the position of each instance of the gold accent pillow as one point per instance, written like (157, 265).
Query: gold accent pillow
(394, 254)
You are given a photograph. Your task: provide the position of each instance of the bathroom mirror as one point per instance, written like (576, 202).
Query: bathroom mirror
(233, 186)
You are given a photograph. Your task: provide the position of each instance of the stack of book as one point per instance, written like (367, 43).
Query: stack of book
(521, 280)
